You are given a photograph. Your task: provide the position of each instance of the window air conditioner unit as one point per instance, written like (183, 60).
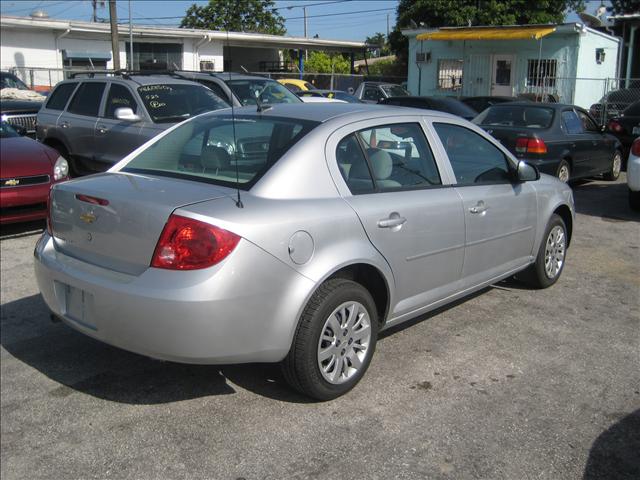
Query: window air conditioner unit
(207, 65)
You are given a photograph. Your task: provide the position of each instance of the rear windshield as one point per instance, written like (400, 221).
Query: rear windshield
(269, 92)
(170, 103)
(453, 106)
(516, 116)
(210, 149)
(394, 90)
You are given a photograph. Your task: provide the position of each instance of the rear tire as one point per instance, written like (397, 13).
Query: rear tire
(564, 171)
(634, 200)
(616, 165)
(551, 256)
(334, 342)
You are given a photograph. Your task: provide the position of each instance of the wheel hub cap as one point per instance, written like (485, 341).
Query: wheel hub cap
(554, 252)
(344, 342)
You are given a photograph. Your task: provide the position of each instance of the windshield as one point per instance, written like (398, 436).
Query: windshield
(212, 149)
(394, 90)
(515, 116)
(6, 131)
(9, 81)
(269, 91)
(170, 103)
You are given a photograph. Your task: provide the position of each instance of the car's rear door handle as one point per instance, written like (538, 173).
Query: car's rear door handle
(479, 208)
(102, 129)
(394, 220)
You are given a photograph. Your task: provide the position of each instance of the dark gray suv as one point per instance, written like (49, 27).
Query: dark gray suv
(95, 122)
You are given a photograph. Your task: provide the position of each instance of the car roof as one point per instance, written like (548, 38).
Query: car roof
(324, 112)
(140, 80)
(555, 106)
(230, 76)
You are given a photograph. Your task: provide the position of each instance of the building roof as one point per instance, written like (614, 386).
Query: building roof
(234, 39)
(560, 29)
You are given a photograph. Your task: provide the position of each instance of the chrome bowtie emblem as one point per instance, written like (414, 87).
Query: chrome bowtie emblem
(12, 182)
(88, 217)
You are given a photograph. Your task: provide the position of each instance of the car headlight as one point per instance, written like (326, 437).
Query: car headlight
(60, 169)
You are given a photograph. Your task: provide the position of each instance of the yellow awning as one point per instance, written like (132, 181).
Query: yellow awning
(499, 33)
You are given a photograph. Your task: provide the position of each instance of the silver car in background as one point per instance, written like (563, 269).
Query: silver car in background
(294, 235)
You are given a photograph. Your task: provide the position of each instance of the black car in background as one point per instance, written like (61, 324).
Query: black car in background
(441, 104)
(615, 102)
(19, 112)
(480, 104)
(626, 127)
(561, 140)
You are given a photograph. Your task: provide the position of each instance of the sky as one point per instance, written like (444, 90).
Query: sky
(354, 19)
(331, 19)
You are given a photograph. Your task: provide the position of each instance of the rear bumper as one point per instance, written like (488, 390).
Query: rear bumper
(23, 204)
(242, 310)
(548, 166)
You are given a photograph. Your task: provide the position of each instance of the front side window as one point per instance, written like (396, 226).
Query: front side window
(119, 97)
(60, 96)
(387, 157)
(210, 149)
(474, 159)
(587, 124)
(394, 90)
(571, 122)
(169, 103)
(372, 93)
(87, 99)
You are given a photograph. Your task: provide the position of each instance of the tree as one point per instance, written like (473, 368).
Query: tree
(619, 7)
(378, 40)
(322, 62)
(459, 13)
(236, 16)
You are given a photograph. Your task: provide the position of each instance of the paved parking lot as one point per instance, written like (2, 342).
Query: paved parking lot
(509, 384)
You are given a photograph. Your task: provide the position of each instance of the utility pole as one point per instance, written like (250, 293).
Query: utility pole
(130, 39)
(387, 27)
(115, 48)
(304, 9)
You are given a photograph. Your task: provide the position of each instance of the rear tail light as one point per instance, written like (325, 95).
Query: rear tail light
(188, 244)
(635, 147)
(530, 145)
(615, 126)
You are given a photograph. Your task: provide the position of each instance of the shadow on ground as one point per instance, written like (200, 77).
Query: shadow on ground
(17, 230)
(615, 455)
(607, 200)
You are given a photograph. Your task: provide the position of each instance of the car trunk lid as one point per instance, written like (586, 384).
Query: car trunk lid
(114, 220)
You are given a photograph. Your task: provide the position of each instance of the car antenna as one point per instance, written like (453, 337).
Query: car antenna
(239, 203)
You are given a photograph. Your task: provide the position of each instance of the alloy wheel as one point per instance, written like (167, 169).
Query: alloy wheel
(554, 251)
(344, 341)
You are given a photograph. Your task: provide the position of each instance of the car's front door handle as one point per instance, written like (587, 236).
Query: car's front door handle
(102, 129)
(394, 220)
(479, 208)
(65, 125)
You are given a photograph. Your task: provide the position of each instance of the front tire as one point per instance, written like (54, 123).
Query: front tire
(616, 166)
(551, 255)
(334, 342)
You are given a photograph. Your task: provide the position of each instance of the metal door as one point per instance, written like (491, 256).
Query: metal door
(503, 72)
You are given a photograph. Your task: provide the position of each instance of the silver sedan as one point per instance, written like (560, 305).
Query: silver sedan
(295, 234)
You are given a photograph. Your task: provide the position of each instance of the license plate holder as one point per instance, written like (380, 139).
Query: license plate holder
(77, 303)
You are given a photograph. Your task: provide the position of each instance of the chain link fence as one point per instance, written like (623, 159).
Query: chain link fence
(604, 97)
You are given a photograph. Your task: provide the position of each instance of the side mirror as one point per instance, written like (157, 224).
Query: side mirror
(527, 172)
(126, 114)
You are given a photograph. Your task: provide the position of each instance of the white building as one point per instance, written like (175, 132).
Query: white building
(39, 49)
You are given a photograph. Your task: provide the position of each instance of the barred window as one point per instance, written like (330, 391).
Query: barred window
(541, 72)
(450, 74)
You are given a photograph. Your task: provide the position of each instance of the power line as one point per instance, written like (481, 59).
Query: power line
(32, 8)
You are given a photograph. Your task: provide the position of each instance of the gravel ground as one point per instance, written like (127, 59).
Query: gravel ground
(509, 384)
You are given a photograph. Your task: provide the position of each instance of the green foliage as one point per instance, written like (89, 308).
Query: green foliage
(387, 68)
(624, 6)
(380, 41)
(459, 13)
(235, 16)
(322, 62)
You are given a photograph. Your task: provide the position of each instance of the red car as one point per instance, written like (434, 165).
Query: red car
(27, 171)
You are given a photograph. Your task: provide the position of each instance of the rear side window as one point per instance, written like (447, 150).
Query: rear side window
(587, 124)
(474, 159)
(87, 99)
(397, 157)
(60, 96)
(215, 88)
(119, 97)
(571, 122)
